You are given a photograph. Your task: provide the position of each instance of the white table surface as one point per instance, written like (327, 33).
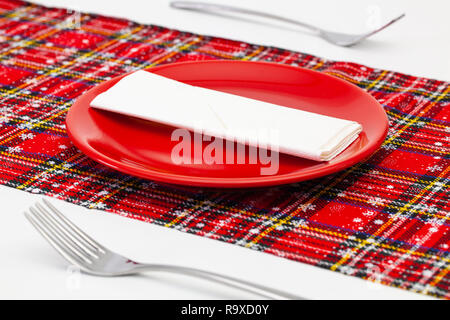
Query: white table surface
(30, 268)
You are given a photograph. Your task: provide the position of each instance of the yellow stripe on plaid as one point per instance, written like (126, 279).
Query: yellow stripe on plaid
(115, 191)
(74, 75)
(219, 54)
(390, 206)
(403, 177)
(40, 125)
(437, 279)
(185, 212)
(377, 80)
(82, 173)
(171, 54)
(392, 219)
(412, 146)
(253, 54)
(34, 125)
(403, 118)
(390, 88)
(55, 167)
(416, 118)
(15, 13)
(31, 42)
(318, 65)
(288, 218)
(31, 97)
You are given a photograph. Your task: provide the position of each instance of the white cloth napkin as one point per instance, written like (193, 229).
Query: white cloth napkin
(304, 134)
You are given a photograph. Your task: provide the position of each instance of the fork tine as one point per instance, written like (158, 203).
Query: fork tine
(62, 250)
(61, 230)
(59, 237)
(74, 228)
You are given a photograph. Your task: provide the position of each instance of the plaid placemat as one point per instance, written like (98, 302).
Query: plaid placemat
(385, 220)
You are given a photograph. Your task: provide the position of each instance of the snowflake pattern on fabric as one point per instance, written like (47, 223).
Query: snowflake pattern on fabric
(385, 219)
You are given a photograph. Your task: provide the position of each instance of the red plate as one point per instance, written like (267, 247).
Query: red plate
(143, 148)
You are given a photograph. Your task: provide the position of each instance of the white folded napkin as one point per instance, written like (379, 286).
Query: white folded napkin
(304, 134)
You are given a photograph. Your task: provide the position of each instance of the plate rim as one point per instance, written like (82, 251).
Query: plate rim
(223, 182)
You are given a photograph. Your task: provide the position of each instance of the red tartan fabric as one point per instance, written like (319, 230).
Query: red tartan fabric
(385, 220)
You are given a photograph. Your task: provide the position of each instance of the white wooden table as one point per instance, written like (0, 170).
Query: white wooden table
(30, 268)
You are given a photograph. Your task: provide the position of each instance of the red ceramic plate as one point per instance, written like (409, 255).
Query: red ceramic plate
(143, 148)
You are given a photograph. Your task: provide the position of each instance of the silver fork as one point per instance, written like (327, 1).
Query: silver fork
(337, 38)
(91, 257)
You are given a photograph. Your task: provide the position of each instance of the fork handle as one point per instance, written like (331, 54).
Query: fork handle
(208, 7)
(222, 279)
